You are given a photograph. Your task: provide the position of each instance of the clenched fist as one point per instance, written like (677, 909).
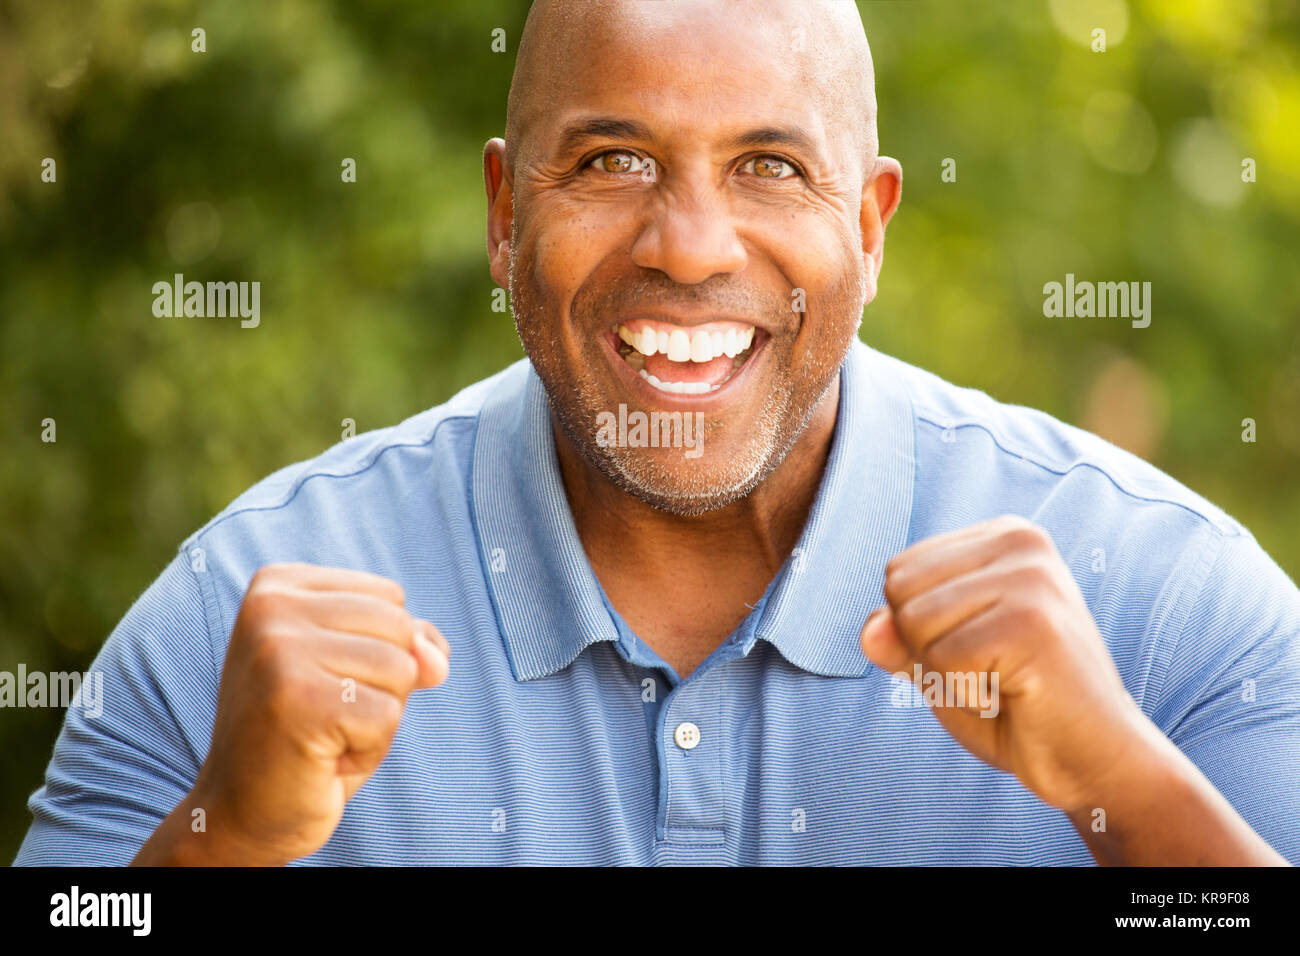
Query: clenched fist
(320, 664)
(996, 598)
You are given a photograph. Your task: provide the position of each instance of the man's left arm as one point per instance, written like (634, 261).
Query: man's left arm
(997, 598)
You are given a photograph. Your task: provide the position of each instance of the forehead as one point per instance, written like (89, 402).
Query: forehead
(704, 70)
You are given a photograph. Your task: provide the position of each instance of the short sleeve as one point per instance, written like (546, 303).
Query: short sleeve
(116, 774)
(1230, 698)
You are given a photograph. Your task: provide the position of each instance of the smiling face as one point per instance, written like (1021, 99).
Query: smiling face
(695, 212)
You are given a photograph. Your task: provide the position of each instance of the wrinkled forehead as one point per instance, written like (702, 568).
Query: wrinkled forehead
(703, 70)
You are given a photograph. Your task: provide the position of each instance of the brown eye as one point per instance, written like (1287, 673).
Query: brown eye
(618, 161)
(770, 167)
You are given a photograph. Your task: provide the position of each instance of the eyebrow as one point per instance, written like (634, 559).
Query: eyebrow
(601, 127)
(578, 132)
(790, 136)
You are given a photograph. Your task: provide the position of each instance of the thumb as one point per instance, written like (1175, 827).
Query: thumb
(882, 645)
(428, 647)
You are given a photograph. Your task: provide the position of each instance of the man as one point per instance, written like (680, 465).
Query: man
(665, 650)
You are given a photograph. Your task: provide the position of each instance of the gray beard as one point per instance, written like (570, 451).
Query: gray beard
(702, 486)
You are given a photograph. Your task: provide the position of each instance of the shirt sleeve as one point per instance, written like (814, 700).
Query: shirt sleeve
(1231, 694)
(116, 774)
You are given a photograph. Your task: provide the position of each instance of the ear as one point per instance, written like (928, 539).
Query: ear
(501, 210)
(880, 195)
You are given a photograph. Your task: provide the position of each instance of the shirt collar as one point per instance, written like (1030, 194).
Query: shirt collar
(548, 602)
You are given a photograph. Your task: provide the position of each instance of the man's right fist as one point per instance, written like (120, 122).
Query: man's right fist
(320, 663)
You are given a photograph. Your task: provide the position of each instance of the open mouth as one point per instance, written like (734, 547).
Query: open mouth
(686, 361)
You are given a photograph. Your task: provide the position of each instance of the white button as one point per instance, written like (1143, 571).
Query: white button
(687, 735)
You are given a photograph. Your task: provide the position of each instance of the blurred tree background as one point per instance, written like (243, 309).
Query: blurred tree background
(1121, 165)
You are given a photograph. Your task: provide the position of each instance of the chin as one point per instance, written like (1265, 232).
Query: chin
(667, 481)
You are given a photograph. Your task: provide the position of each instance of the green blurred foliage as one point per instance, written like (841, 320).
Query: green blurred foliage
(1115, 165)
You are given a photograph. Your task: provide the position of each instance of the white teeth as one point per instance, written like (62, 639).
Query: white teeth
(679, 388)
(701, 347)
(647, 342)
(679, 346)
(730, 343)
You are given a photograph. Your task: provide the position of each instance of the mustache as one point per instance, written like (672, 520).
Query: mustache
(725, 298)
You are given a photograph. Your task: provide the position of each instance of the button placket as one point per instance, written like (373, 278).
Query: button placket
(692, 751)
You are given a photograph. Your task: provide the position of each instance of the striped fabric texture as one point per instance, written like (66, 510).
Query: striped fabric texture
(560, 738)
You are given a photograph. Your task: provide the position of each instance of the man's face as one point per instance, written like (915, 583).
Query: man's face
(686, 238)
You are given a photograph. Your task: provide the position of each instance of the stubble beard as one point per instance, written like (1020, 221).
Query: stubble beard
(691, 487)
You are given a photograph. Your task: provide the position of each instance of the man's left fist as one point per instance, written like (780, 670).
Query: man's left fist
(996, 598)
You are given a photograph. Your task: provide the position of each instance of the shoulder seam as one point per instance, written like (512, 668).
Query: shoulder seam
(303, 479)
(1231, 530)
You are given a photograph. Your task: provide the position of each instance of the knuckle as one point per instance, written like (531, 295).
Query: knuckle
(266, 601)
(396, 592)
(403, 622)
(259, 604)
(1029, 616)
(1021, 533)
(1042, 539)
(270, 574)
(389, 714)
(909, 616)
(261, 576)
(402, 666)
(895, 585)
(1034, 577)
(948, 655)
(379, 587)
(410, 672)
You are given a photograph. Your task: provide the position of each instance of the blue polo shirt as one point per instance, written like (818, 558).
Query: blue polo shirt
(560, 737)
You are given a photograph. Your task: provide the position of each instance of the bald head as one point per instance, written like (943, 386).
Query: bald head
(673, 170)
(816, 47)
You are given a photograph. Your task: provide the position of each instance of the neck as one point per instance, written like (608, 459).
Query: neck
(750, 537)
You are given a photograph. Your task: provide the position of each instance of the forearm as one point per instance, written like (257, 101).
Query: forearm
(1158, 809)
(177, 842)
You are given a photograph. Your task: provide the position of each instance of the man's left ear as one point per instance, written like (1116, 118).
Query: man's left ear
(880, 195)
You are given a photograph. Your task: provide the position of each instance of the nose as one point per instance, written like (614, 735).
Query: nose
(690, 236)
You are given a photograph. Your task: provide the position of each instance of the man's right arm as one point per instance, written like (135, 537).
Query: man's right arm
(315, 679)
(115, 774)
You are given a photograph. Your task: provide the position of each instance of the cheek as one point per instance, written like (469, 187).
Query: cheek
(564, 242)
(817, 251)
(835, 289)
